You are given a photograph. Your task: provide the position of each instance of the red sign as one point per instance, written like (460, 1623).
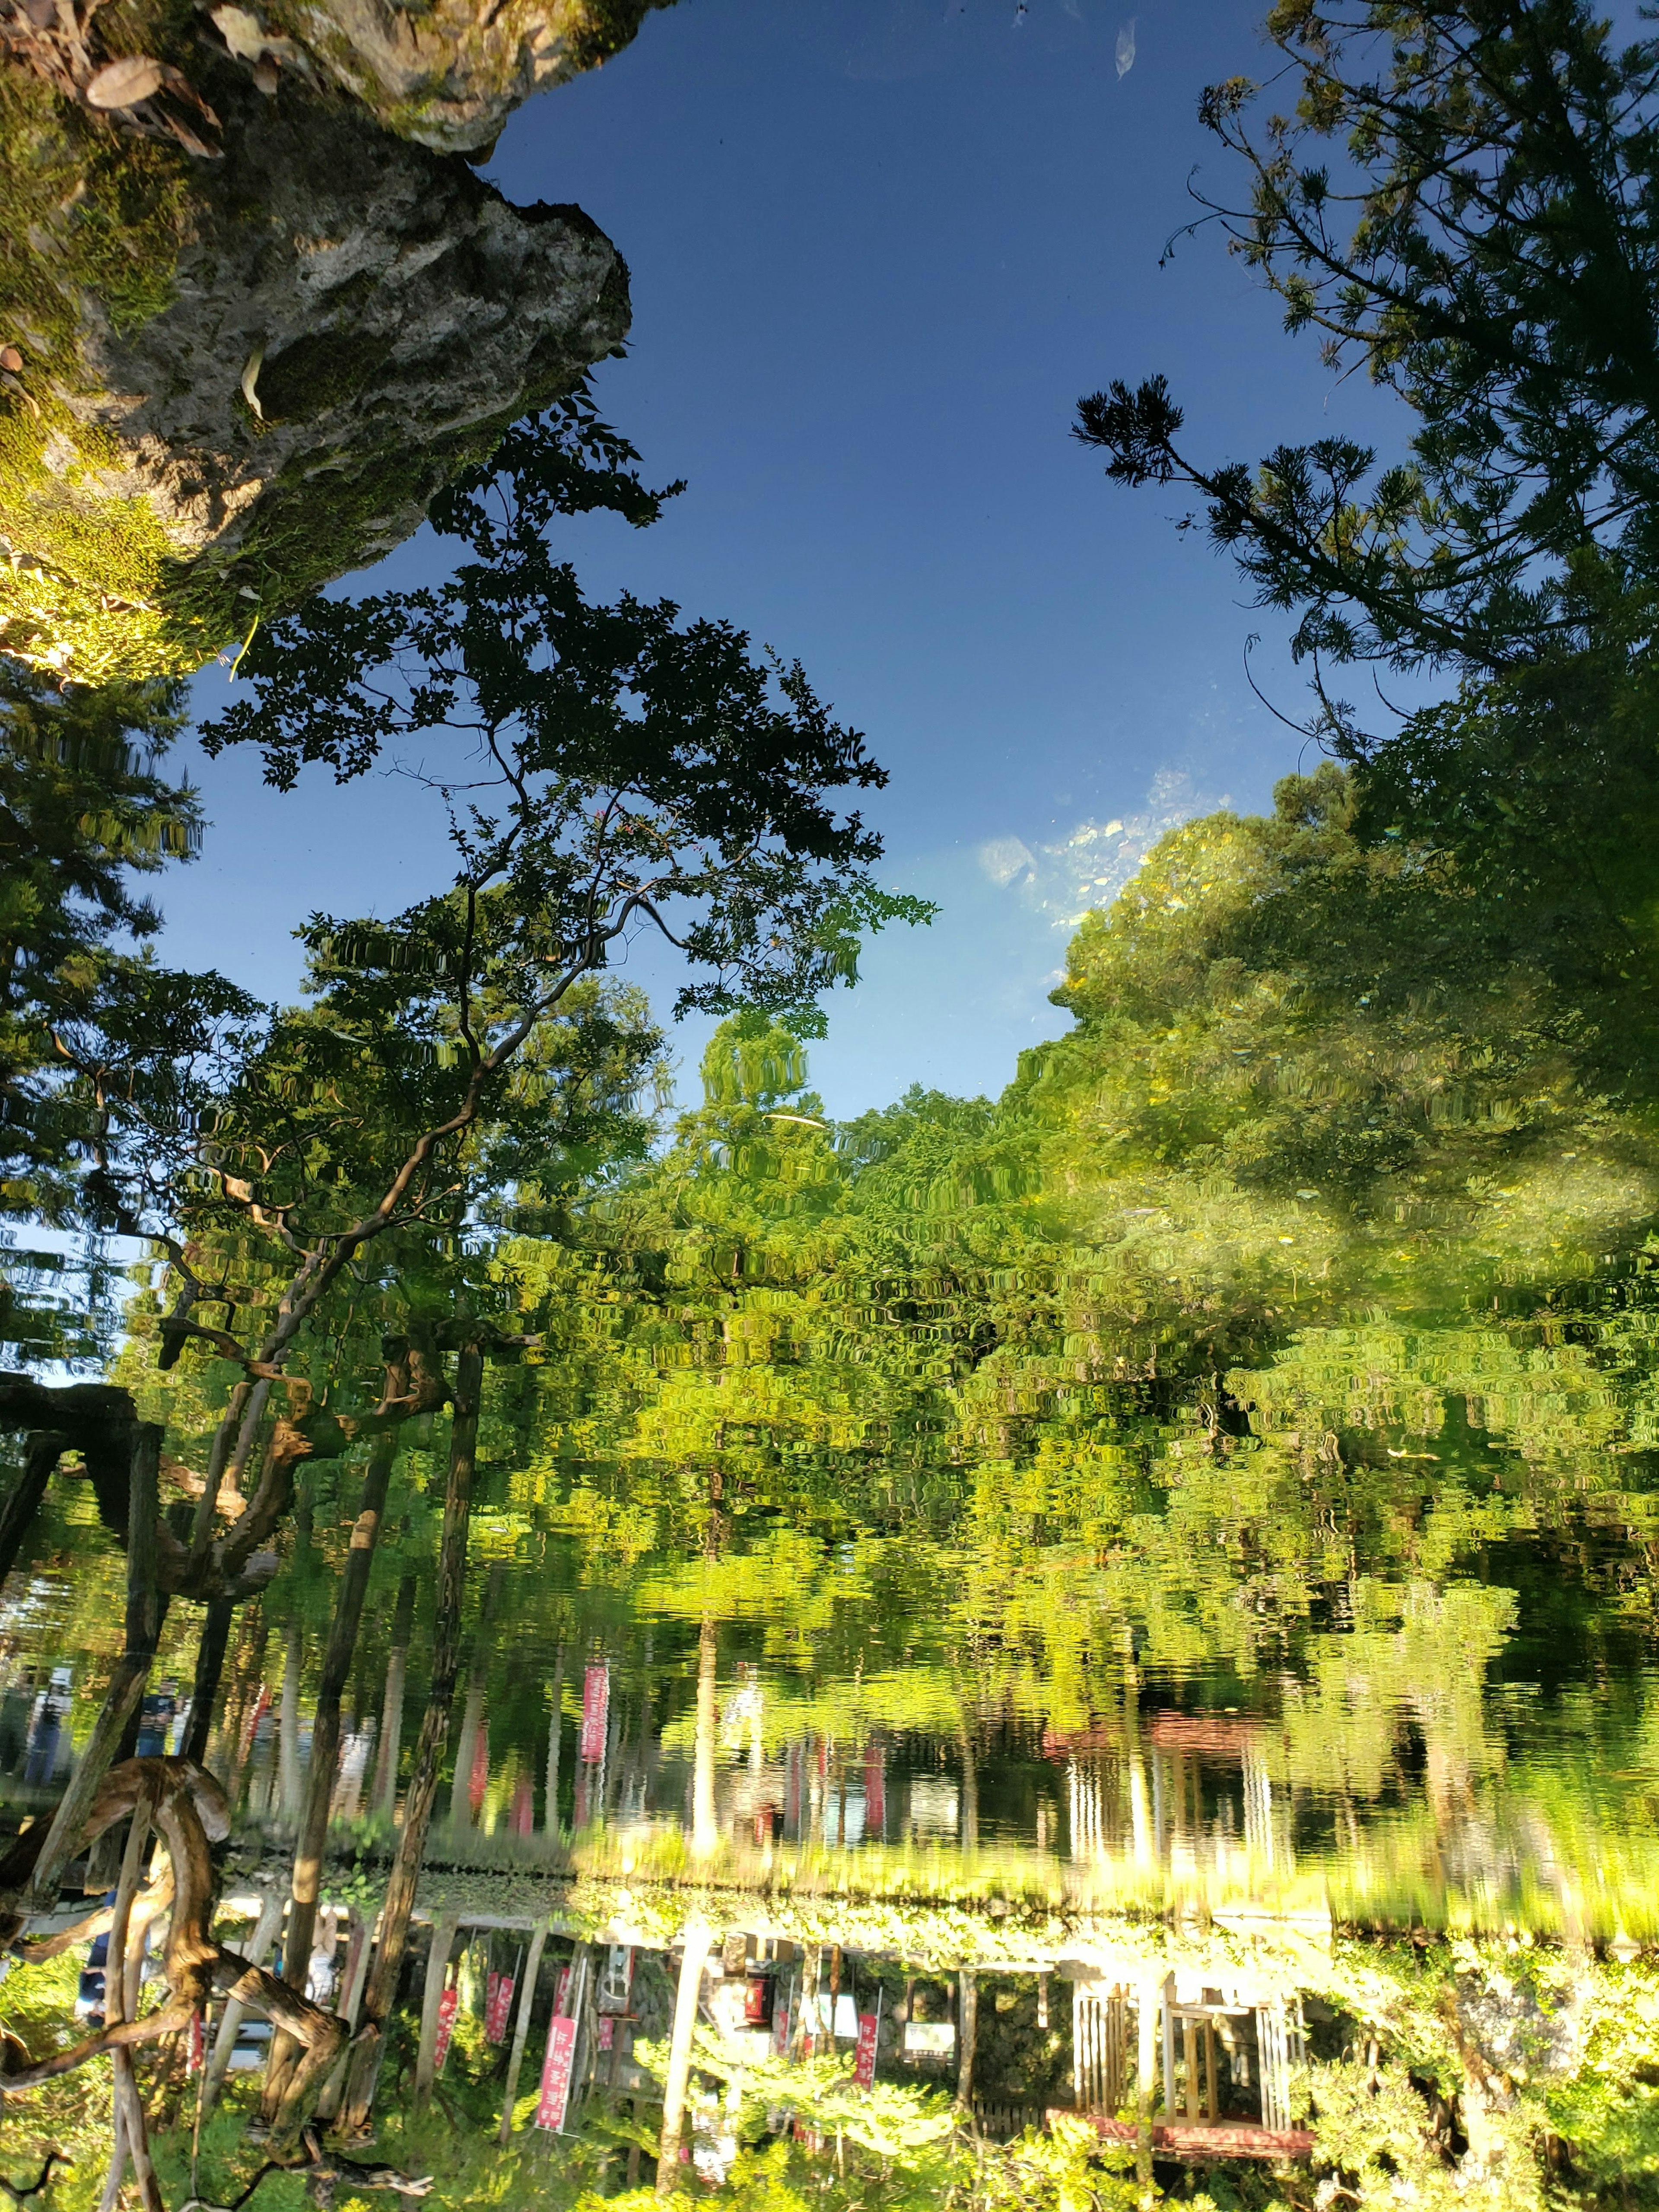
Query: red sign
(446, 2004)
(555, 2074)
(498, 2007)
(562, 1990)
(864, 2068)
(607, 2030)
(197, 2043)
(596, 1708)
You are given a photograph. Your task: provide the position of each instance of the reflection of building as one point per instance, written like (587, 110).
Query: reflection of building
(1191, 1792)
(1217, 2057)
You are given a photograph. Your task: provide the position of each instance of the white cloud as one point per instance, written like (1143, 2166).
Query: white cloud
(1090, 865)
(1004, 858)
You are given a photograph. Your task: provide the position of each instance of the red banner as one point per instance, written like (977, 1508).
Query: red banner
(197, 2043)
(556, 2073)
(596, 1709)
(561, 1990)
(607, 2030)
(498, 2007)
(864, 2068)
(446, 2004)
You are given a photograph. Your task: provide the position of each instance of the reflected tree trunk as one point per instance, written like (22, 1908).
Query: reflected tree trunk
(466, 1749)
(143, 1628)
(382, 1987)
(288, 1726)
(40, 1457)
(705, 1823)
(312, 1837)
(969, 1828)
(693, 1957)
(554, 1734)
(216, 1617)
(236, 1741)
(383, 1798)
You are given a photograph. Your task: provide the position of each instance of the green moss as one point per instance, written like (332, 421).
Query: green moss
(83, 210)
(320, 371)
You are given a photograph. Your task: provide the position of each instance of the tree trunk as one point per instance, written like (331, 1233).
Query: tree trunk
(287, 1728)
(143, 1627)
(120, 2003)
(521, 2028)
(698, 1936)
(382, 1989)
(312, 1836)
(209, 1667)
(555, 1734)
(967, 2030)
(705, 1823)
(383, 1799)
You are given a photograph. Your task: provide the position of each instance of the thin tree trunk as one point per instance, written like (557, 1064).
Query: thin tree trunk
(521, 2028)
(120, 1993)
(143, 1627)
(967, 2034)
(382, 1989)
(554, 1736)
(312, 1835)
(288, 1728)
(698, 1936)
(384, 1798)
(209, 1667)
(705, 1825)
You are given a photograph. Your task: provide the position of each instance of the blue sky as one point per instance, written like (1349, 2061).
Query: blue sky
(878, 248)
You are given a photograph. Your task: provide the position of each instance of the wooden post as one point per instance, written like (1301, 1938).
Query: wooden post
(521, 2031)
(697, 1938)
(1146, 2049)
(444, 1929)
(256, 1951)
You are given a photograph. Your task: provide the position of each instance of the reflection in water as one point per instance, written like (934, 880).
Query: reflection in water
(1253, 1729)
(1171, 1669)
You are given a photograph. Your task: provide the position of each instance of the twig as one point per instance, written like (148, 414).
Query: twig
(18, 2196)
